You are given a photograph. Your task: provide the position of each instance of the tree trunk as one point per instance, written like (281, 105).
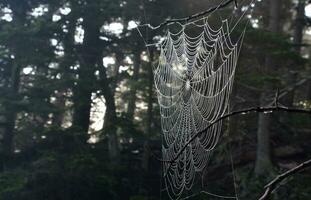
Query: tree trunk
(150, 94)
(89, 55)
(110, 119)
(58, 115)
(133, 86)
(263, 157)
(119, 61)
(233, 123)
(309, 91)
(69, 60)
(147, 153)
(299, 24)
(10, 110)
(10, 113)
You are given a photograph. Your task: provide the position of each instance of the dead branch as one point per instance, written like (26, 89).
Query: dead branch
(272, 185)
(269, 109)
(191, 17)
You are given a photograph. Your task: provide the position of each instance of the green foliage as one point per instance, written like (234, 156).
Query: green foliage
(11, 183)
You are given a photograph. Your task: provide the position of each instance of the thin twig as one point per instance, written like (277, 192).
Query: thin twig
(273, 184)
(191, 17)
(277, 96)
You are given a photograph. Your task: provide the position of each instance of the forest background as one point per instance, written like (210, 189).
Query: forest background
(79, 117)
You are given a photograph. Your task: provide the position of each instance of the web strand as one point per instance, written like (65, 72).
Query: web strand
(193, 81)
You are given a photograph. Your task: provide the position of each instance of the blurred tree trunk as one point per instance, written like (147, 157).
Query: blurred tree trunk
(10, 114)
(233, 121)
(69, 59)
(263, 157)
(299, 24)
(119, 61)
(133, 86)
(309, 92)
(147, 153)
(60, 104)
(150, 93)
(110, 118)
(10, 107)
(89, 53)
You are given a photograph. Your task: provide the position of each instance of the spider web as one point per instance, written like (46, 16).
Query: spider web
(193, 81)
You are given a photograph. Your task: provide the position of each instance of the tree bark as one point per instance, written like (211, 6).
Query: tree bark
(147, 150)
(69, 60)
(309, 92)
(58, 115)
(89, 55)
(10, 110)
(299, 24)
(150, 94)
(119, 61)
(133, 86)
(263, 157)
(110, 118)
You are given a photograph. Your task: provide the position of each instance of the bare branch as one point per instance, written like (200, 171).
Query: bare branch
(239, 112)
(189, 18)
(272, 185)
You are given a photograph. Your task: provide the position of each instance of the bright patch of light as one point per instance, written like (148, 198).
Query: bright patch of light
(53, 42)
(158, 40)
(128, 60)
(56, 18)
(98, 111)
(244, 8)
(145, 58)
(7, 16)
(131, 25)
(27, 70)
(79, 35)
(254, 23)
(65, 10)
(93, 139)
(308, 10)
(108, 61)
(39, 11)
(17, 151)
(80, 20)
(103, 38)
(75, 67)
(53, 65)
(123, 68)
(123, 3)
(59, 50)
(308, 31)
(114, 27)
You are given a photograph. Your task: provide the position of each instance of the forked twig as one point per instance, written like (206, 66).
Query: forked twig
(272, 184)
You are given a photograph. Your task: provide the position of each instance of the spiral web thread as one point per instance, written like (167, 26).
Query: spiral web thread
(193, 81)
